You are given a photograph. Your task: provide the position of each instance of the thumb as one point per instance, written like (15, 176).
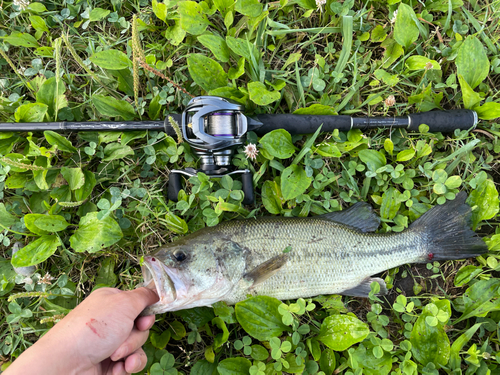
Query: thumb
(142, 297)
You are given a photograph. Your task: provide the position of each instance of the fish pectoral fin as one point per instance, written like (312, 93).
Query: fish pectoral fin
(265, 270)
(359, 216)
(363, 289)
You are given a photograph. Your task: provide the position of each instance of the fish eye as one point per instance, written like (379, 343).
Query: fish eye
(179, 256)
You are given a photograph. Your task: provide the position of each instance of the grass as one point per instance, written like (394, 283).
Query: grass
(93, 60)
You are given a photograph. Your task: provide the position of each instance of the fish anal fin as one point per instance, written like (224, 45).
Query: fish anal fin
(359, 216)
(363, 289)
(267, 269)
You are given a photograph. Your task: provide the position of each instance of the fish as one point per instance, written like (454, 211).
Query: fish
(295, 257)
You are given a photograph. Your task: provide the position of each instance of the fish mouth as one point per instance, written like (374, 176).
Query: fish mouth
(156, 278)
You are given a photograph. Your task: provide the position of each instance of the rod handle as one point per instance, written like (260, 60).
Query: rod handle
(444, 121)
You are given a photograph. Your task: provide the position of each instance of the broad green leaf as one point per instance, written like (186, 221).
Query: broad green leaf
(260, 95)
(204, 367)
(217, 45)
(176, 224)
(111, 59)
(272, 197)
(260, 318)
(74, 176)
(111, 107)
(85, 190)
(51, 223)
(250, 8)
(98, 14)
(429, 344)
(466, 274)
(93, 234)
(106, 275)
(389, 79)
(371, 365)
(6, 219)
(7, 273)
(52, 95)
(38, 23)
(175, 34)
(193, 20)
(488, 111)
(160, 341)
(221, 338)
(31, 112)
(243, 48)
(160, 10)
(223, 6)
(36, 252)
(292, 59)
(37, 7)
(480, 298)
(58, 140)
(234, 366)
(405, 29)
(20, 39)
(455, 362)
(29, 222)
(316, 109)
(373, 159)
(390, 203)
(237, 72)
(206, 72)
(392, 52)
(339, 332)
(485, 197)
(405, 155)
(294, 181)
(329, 150)
(472, 62)
(278, 143)
(114, 151)
(417, 62)
(378, 34)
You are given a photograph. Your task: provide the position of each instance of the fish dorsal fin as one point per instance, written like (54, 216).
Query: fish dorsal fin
(359, 216)
(364, 288)
(267, 269)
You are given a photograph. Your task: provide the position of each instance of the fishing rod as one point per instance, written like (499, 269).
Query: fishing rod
(215, 127)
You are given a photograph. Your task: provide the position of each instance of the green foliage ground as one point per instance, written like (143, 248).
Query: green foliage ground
(85, 207)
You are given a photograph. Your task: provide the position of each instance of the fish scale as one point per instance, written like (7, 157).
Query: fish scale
(335, 253)
(326, 258)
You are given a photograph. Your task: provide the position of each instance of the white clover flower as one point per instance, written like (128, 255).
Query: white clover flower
(251, 151)
(46, 279)
(390, 101)
(393, 19)
(21, 4)
(319, 3)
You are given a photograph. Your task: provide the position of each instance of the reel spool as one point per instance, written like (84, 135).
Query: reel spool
(214, 127)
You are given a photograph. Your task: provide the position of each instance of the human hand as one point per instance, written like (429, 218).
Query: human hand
(102, 335)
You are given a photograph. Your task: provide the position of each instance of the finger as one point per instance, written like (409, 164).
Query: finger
(135, 340)
(144, 323)
(136, 361)
(140, 298)
(119, 369)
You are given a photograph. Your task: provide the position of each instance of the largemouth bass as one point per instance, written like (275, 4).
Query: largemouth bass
(289, 258)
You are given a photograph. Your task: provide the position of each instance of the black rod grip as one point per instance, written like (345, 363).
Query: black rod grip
(444, 121)
(302, 124)
(247, 182)
(174, 186)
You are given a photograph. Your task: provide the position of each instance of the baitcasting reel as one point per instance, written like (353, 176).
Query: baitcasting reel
(214, 127)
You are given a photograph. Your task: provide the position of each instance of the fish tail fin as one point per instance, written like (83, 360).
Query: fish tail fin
(448, 233)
